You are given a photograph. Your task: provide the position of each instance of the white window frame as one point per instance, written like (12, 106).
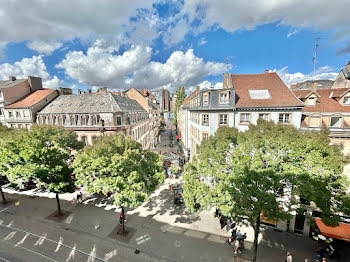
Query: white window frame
(264, 114)
(347, 100)
(206, 99)
(284, 118)
(244, 120)
(223, 124)
(223, 98)
(340, 122)
(205, 123)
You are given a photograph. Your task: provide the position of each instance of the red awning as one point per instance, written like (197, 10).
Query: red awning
(177, 136)
(342, 231)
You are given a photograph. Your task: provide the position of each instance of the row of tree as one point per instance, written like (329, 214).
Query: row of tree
(54, 159)
(264, 172)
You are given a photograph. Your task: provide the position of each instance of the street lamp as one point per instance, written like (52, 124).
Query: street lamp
(102, 128)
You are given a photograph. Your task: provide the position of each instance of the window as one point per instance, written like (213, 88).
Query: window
(205, 119)
(284, 118)
(346, 100)
(119, 121)
(20, 126)
(205, 99)
(223, 119)
(83, 121)
(335, 122)
(264, 117)
(10, 114)
(311, 101)
(244, 118)
(223, 98)
(205, 135)
(25, 113)
(18, 114)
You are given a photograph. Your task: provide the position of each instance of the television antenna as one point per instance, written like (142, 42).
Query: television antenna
(314, 56)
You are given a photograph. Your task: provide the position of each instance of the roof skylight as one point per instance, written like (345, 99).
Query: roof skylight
(259, 94)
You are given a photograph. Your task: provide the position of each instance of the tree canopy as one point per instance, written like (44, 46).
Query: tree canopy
(117, 164)
(180, 97)
(42, 155)
(264, 172)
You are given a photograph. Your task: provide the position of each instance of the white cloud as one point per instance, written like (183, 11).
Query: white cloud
(208, 85)
(134, 68)
(54, 21)
(176, 33)
(292, 32)
(43, 47)
(246, 15)
(202, 41)
(321, 73)
(33, 66)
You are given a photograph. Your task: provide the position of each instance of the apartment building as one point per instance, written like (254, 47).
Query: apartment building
(327, 105)
(96, 114)
(13, 89)
(241, 102)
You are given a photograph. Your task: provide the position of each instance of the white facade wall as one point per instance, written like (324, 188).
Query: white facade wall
(273, 116)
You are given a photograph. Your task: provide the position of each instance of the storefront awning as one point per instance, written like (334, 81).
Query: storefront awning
(342, 231)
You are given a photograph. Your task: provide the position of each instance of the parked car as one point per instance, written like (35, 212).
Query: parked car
(178, 199)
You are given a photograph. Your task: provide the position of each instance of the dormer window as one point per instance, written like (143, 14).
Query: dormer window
(223, 98)
(205, 99)
(311, 101)
(346, 100)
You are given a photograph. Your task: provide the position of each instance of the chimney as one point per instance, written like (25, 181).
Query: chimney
(89, 91)
(267, 71)
(224, 80)
(102, 90)
(314, 86)
(35, 83)
(198, 89)
(12, 78)
(65, 91)
(229, 81)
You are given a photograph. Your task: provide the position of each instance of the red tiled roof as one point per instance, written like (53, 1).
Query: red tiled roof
(339, 92)
(324, 103)
(31, 99)
(280, 94)
(147, 93)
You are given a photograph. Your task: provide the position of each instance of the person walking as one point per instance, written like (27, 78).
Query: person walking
(233, 236)
(236, 247)
(239, 236)
(289, 257)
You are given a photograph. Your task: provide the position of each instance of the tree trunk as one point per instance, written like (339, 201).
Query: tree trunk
(3, 196)
(123, 218)
(59, 211)
(256, 236)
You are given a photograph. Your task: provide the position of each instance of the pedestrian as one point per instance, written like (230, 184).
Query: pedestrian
(217, 213)
(79, 196)
(236, 247)
(289, 257)
(233, 236)
(239, 236)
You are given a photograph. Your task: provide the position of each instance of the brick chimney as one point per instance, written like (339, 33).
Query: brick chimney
(12, 78)
(89, 91)
(267, 71)
(102, 90)
(314, 86)
(65, 91)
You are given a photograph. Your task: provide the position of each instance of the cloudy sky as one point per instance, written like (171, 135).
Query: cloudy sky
(168, 43)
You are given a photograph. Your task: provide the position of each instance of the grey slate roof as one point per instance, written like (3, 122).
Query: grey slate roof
(346, 73)
(214, 100)
(321, 84)
(91, 103)
(9, 83)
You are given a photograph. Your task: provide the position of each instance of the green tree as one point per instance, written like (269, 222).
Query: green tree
(117, 164)
(264, 171)
(44, 155)
(180, 97)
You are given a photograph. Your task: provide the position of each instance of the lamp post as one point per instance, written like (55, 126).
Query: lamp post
(102, 129)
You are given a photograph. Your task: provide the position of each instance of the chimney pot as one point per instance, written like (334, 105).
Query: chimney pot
(267, 71)
(12, 78)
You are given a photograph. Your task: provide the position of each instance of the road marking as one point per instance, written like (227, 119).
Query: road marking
(69, 219)
(71, 253)
(3, 209)
(9, 236)
(41, 240)
(111, 254)
(10, 224)
(92, 254)
(3, 259)
(22, 240)
(59, 244)
(143, 239)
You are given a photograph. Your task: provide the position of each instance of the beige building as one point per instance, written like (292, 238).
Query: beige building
(98, 114)
(145, 99)
(22, 114)
(12, 90)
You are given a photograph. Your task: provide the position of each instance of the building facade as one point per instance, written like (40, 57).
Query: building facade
(22, 114)
(92, 115)
(148, 102)
(327, 105)
(165, 104)
(13, 89)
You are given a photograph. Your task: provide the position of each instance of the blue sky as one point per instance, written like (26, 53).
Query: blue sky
(165, 44)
